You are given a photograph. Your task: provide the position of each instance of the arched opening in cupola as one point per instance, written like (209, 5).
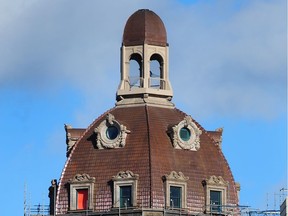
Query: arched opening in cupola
(156, 72)
(135, 71)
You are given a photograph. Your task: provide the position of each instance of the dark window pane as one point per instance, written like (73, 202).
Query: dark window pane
(175, 197)
(215, 200)
(125, 196)
(112, 132)
(185, 134)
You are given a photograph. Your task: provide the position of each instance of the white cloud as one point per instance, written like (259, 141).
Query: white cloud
(234, 65)
(231, 56)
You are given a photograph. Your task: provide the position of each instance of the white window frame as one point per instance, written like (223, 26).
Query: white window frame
(175, 179)
(79, 182)
(124, 178)
(215, 183)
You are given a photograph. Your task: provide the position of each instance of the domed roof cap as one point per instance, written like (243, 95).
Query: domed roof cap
(144, 26)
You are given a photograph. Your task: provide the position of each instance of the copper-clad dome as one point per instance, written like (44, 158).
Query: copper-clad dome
(144, 26)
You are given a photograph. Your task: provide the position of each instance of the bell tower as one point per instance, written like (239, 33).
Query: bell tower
(144, 62)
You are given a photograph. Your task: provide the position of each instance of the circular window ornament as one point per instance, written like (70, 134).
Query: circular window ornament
(110, 134)
(186, 135)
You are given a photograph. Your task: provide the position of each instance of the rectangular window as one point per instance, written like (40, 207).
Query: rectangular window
(175, 197)
(125, 196)
(82, 199)
(215, 201)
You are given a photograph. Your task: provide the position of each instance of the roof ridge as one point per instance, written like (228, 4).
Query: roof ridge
(229, 173)
(149, 148)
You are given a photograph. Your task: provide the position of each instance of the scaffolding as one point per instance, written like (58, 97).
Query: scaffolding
(33, 210)
(223, 210)
(270, 211)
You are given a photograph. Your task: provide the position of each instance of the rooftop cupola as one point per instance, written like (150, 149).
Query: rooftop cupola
(144, 62)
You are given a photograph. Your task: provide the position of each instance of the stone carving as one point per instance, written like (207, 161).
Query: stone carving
(82, 178)
(238, 187)
(54, 182)
(103, 141)
(193, 142)
(217, 181)
(70, 141)
(110, 118)
(176, 176)
(125, 175)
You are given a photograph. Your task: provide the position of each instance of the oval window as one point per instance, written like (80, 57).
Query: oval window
(112, 132)
(185, 134)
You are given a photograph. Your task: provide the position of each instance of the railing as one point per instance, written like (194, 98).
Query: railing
(39, 210)
(157, 83)
(154, 82)
(135, 81)
(216, 209)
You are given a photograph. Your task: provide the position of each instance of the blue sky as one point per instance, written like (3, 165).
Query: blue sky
(60, 64)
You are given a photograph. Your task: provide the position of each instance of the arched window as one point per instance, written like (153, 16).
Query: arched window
(156, 72)
(135, 71)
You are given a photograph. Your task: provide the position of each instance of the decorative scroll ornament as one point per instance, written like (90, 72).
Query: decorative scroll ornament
(216, 181)
(70, 140)
(81, 178)
(111, 134)
(174, 176)
(125, 175)
(186, 135)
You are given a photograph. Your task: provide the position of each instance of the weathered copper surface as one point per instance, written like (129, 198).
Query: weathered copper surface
(144, 26)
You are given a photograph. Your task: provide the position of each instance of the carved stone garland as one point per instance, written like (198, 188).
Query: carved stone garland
(193, 143)
(81, 178)
(101, 131)
(175, 176)
(125, 175)
(215, 181)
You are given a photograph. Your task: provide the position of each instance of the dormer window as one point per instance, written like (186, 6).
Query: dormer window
(216, 193)
(125, 189)
(175, 185)
(110, 133)
(185, 135)
(81, 192)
